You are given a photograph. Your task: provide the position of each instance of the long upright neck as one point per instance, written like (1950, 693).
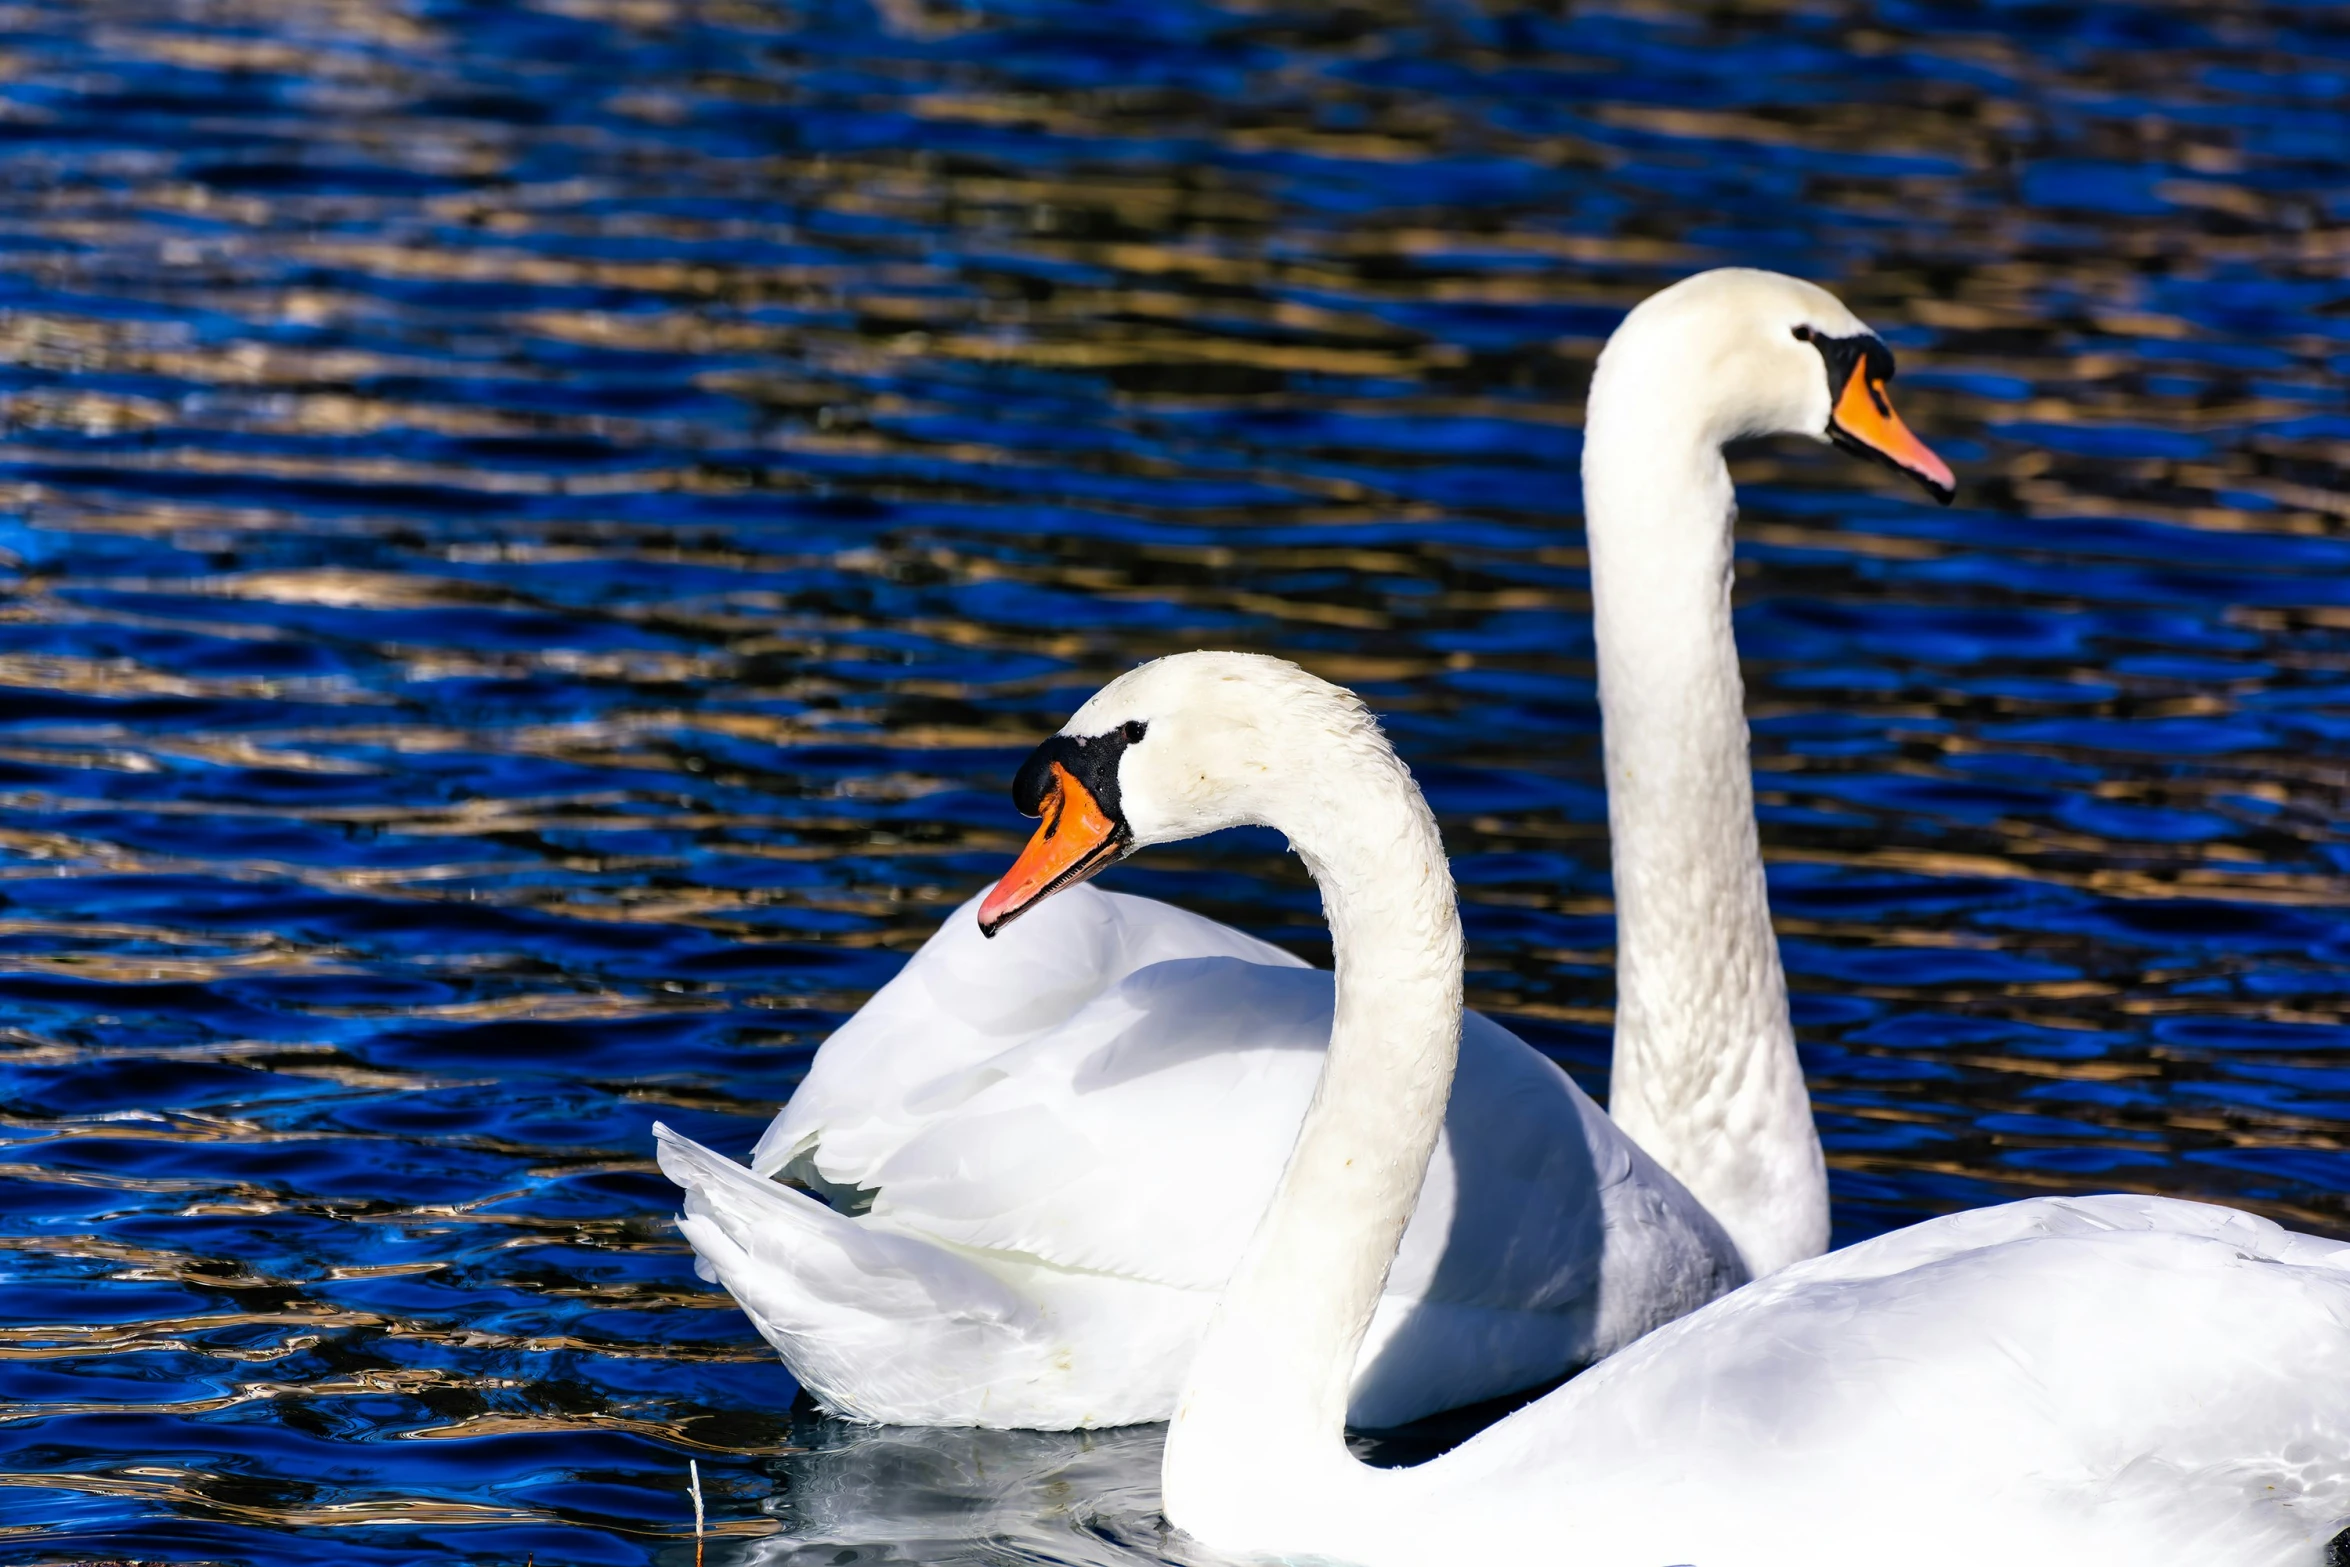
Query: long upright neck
(1259, 1431)
(1706, 1077)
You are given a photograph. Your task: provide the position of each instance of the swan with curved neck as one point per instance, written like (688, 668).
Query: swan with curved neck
(2124, 1379)
(1014, 1183)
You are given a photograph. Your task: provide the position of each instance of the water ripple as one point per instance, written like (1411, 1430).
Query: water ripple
(532, 534)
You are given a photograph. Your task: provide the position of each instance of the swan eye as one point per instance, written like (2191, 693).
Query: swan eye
(1803, 334)
(1131, 731)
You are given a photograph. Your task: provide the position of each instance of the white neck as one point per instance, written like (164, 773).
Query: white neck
(1256, 1451)
(1705, 1077)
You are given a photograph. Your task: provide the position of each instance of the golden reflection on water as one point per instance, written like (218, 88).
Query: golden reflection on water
(659, 522)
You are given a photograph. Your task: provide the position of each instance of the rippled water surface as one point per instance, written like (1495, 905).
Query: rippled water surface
(533, 535)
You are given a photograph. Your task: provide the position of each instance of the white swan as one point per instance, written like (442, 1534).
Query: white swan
(2116, 1380)
(1046, 1220)
(989, 1230)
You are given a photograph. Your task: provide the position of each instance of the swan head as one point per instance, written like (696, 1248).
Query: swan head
(1181, 746)
(1768, 355)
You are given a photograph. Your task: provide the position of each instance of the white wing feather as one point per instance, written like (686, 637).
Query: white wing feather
(2111, 1379)
(1107, 1093)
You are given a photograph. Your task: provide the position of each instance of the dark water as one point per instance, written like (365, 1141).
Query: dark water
(535, 534)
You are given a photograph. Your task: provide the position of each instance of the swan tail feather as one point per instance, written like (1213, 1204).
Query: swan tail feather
(866, 1319)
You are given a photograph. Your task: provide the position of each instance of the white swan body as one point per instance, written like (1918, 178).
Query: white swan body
(2111, 1380)
(1068, 1133)
(2062, 1381)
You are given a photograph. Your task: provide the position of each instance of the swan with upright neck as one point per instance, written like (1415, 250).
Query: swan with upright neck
(2061, 1381)
(965, 1217)
(1705, 1075)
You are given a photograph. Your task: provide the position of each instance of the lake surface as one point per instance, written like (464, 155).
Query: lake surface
(533, 537)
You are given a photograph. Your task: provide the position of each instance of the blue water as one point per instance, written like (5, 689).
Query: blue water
(534, 535)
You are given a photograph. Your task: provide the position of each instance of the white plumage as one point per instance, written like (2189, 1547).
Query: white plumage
(2111, 1380)
(1069, 1132)
(2123, 1380)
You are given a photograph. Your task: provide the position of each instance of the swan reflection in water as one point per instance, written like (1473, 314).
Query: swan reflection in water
(962, 1497)
(949, 1496)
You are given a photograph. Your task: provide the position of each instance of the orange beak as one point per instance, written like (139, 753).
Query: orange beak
(1076, 839)
(1864, 422)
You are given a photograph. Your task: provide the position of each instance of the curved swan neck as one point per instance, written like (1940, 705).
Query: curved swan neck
(1705, 1076)
(1261, 1420)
